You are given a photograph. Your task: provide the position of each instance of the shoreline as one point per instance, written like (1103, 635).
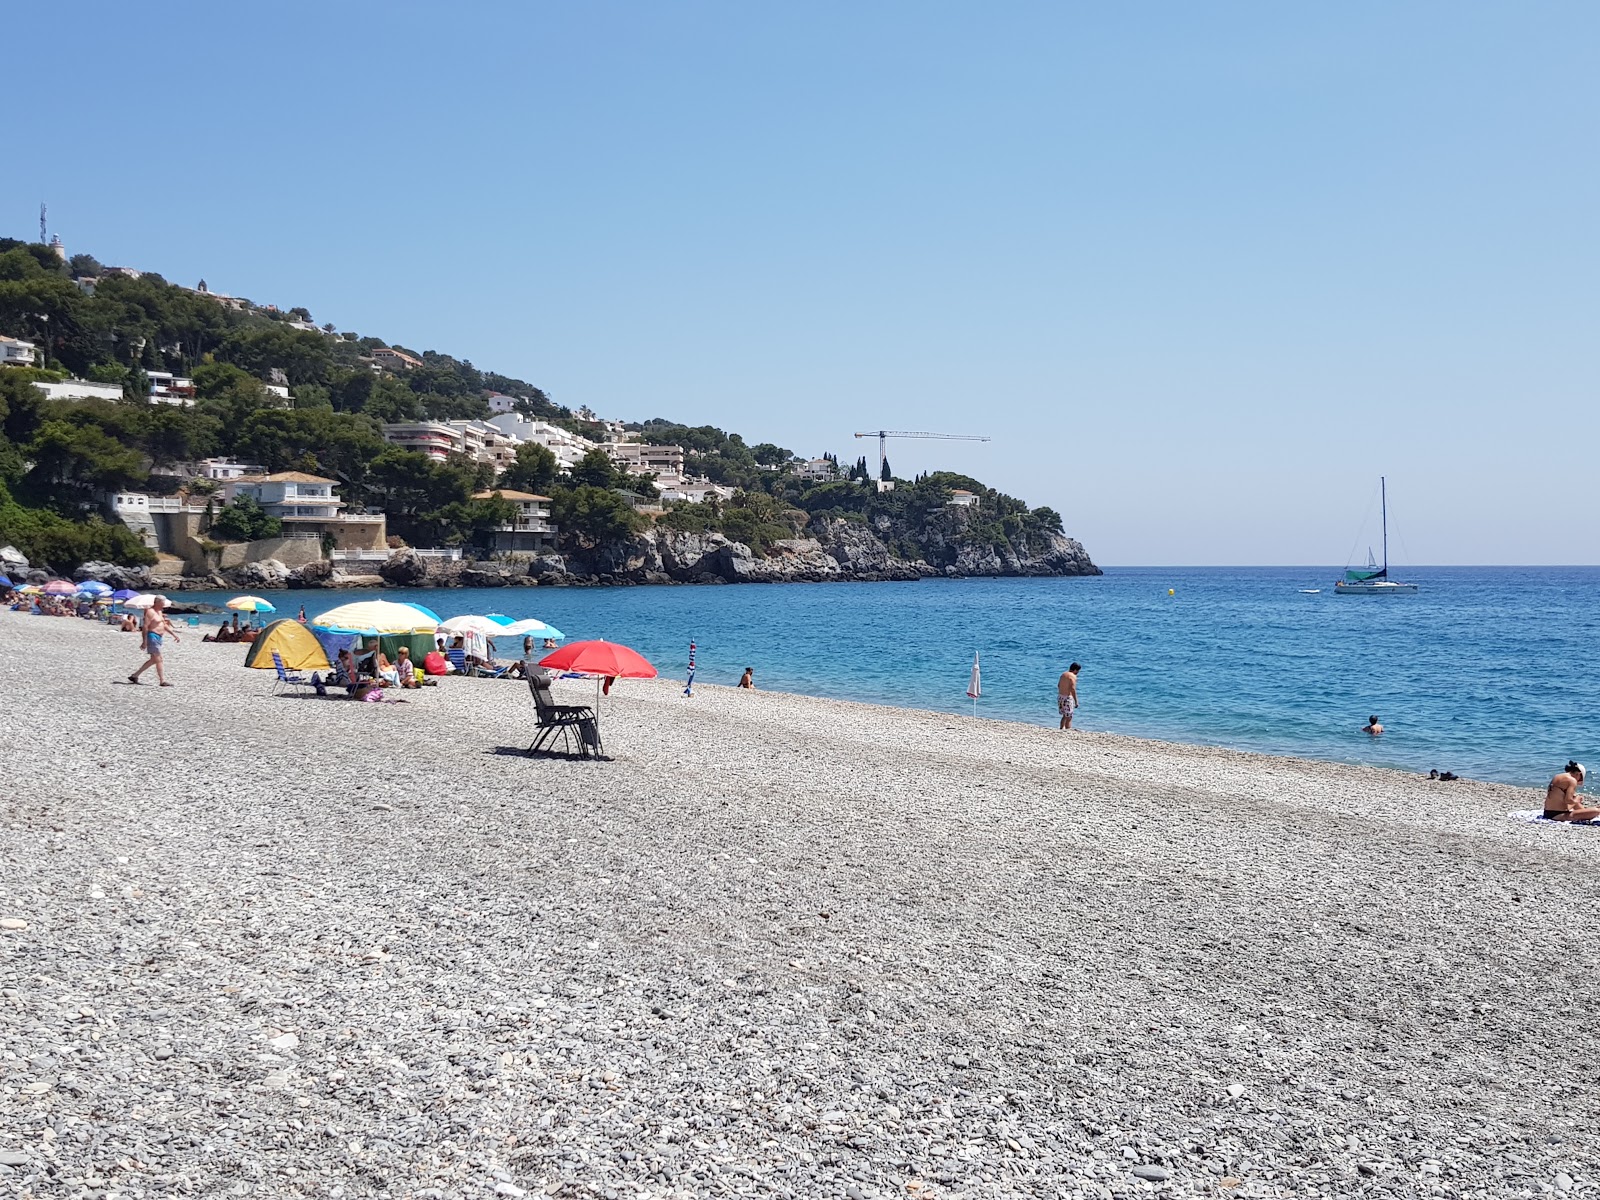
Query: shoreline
(776, 945)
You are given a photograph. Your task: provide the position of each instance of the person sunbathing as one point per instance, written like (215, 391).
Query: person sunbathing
(1561, 801)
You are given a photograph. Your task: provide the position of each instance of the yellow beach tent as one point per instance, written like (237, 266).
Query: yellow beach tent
(294, 643)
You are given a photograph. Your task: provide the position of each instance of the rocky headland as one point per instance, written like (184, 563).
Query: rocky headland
(835, 550)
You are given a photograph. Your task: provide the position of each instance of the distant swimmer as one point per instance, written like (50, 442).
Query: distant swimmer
(1067, 694)
(1372, 726)
(748, 680)
(1561, 801)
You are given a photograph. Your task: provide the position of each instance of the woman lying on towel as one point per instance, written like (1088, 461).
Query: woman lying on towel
(1561, 801)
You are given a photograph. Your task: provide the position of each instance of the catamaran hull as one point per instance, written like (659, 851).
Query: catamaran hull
(1380, 588)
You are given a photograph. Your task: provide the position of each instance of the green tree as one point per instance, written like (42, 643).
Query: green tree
(244, 520)
(73, 465)
(592, 515)
(534, 471)
(595, 469)
(886, 474)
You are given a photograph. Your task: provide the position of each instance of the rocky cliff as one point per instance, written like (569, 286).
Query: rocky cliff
(832, 550)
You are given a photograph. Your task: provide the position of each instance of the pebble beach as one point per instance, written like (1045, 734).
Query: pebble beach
(776, 946)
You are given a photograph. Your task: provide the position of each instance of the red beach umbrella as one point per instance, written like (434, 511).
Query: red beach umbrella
(611, 659)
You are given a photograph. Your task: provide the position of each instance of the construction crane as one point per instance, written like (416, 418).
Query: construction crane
(883, 436)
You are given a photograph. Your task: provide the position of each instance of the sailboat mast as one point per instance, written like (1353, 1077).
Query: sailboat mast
(1383, 491)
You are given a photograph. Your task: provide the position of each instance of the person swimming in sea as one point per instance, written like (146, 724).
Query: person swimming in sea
(1561, 801)
(1373, 726)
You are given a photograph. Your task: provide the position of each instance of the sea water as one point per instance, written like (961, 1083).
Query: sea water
(1487, 672)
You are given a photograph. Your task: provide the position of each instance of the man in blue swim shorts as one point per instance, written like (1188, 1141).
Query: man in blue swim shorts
(156, 629)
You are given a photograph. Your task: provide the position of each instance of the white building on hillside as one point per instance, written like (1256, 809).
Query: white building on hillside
(531, 532)
(80, 389)
(14, 352)
(167, 388)
(499, 402)
(638, 458)
(567, 447)
(396, 360)
(225, 469)
(814, 468)
(961, 498)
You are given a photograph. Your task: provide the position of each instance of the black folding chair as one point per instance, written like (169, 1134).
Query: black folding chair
(563, 720)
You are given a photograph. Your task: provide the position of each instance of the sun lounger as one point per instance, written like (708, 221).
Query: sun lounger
(563, 720)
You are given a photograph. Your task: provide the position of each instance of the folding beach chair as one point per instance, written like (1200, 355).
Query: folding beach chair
(286, 677)
(563, 720)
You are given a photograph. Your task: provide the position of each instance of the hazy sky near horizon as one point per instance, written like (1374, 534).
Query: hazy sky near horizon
(1202, 272)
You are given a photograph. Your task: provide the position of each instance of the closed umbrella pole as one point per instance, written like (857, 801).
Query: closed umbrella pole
(975, 685)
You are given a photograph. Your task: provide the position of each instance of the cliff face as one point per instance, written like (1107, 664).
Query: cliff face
(832, 550)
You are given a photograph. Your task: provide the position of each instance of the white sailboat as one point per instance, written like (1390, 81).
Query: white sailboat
(1375, 581)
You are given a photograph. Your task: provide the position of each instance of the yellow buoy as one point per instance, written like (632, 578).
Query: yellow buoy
(1171, 592)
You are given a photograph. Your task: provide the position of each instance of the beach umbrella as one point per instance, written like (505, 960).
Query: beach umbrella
(468, 623)
(144, 600)
(251, 604)
(374, 617)
(93, 587)
(603, 660)
(29, 589)
(123, 594)
(5, 581)
(531, 627)
(975, 684)
(500, 618)
(60, 587)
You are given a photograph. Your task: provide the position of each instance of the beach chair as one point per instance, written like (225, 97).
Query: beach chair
(287, 677)
(564, 721)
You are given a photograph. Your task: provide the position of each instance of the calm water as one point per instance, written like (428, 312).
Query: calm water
(1487, 671)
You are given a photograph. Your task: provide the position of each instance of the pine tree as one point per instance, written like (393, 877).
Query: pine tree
(886, 475)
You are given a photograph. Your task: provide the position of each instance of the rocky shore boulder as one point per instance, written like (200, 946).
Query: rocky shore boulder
(13, 562)
(268, 573)
(405, 568)
(136, 578)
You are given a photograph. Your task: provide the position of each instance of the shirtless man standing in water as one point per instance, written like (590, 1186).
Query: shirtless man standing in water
(1067, 694)
(1561, 801)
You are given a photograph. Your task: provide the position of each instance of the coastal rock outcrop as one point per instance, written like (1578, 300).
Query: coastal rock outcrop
(13, 561)
(405, 568)
(268, 573)
(136, 578)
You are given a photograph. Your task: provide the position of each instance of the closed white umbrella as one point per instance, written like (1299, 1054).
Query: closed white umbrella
(975, 686)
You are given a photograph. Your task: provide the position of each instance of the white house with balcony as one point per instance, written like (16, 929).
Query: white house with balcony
(309, 506)
(531, 532)
(961, 498)
(814, 469)
(641, 458)
(14, 352)
(437, 439)
(167, 388)
(566, 446)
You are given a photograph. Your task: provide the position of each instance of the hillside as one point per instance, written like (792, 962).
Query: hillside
(115, 326)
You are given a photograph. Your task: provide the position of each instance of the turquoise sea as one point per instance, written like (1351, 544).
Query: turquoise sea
(1488, 672)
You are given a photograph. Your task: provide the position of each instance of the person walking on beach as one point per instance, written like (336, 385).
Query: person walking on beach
(1067, 694)
(156, 628)
(1561, 801)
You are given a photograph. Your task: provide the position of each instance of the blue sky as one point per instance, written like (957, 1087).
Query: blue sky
(1203, 272)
